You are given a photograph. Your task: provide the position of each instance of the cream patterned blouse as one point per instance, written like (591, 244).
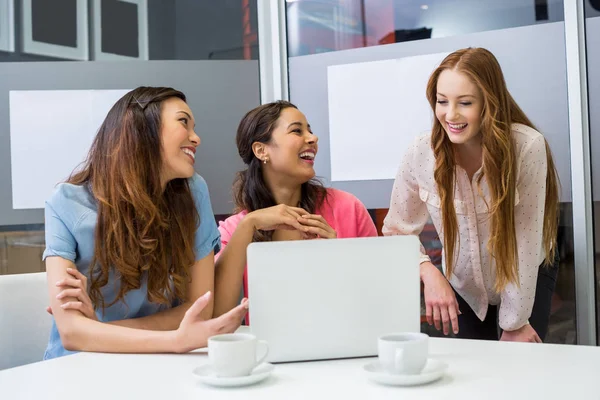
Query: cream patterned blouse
(415, 199)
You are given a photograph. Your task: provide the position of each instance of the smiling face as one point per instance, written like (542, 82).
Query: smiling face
(292, 149)
(179, 140)
(459, 107)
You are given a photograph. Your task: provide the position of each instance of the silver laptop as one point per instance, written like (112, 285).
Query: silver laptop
(328, 299)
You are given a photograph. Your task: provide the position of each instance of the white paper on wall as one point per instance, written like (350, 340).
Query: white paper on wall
(51, 132)
(376, 109)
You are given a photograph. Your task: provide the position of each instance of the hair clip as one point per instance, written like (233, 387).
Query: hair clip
(140, 104)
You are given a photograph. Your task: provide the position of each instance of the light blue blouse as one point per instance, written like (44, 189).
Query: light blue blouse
(71, 215)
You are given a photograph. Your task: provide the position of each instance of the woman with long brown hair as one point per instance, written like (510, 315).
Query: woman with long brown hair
(487, 179)
(277, 196)
(131, 237)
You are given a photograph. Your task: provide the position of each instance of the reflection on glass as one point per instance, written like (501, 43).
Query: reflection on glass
(318, 26)
(112, 30)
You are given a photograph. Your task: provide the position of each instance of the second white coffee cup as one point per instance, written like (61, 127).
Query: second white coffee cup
(403, 353)
(236, 354)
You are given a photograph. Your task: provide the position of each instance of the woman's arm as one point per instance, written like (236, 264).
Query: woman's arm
(408, 215)
(202, 278)
(230, 264)
(79, 333)
(231, 261)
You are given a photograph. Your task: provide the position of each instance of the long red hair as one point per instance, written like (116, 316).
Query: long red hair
(500, 111)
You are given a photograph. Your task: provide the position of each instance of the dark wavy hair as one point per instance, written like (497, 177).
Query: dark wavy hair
(250, 191)
(142, 230)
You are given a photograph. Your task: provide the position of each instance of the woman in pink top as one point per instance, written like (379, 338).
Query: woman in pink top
(487, 180)
(277, 196)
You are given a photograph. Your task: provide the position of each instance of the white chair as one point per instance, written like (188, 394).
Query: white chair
(24, 323)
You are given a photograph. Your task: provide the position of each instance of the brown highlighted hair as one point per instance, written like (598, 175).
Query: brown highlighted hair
(143, 231)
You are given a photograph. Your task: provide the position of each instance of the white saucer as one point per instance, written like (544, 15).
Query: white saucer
(434, 370)
(206, 375)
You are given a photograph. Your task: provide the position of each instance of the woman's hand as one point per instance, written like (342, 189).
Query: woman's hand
(524, 334)
(278, 217)
(76, 287)
(194, 330)
(317, 226)
(440, 301)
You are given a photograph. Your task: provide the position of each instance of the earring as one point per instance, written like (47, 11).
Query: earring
(265, 160)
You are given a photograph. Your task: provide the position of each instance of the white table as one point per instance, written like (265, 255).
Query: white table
(477, 370)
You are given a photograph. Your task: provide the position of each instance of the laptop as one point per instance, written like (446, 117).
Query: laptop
(330, 299)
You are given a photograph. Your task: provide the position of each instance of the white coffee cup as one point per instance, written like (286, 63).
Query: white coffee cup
(403, 353)
(235, 354)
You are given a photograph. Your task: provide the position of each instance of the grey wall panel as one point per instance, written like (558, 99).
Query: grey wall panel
(219, 93)
(533, 61)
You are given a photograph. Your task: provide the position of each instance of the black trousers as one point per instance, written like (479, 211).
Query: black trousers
(471, 327)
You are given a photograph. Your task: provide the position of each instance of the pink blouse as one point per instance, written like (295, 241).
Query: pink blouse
(342, 211)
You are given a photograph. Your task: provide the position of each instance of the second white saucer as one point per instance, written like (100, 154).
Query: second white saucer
(207, 376)
(434, 370)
